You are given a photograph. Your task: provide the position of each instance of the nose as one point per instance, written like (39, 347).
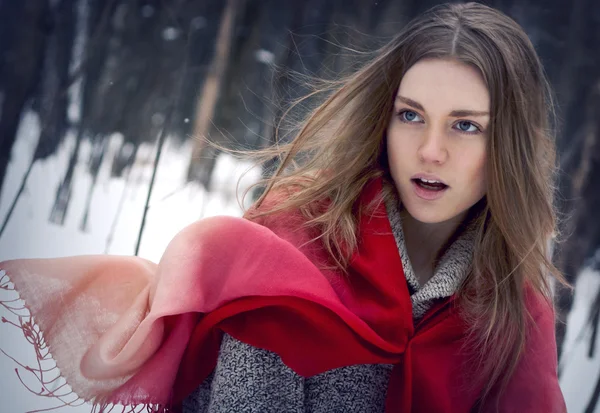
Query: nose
(433, 148)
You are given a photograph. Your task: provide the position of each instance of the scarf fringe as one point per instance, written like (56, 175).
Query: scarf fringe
(142, 408)
(49, 377)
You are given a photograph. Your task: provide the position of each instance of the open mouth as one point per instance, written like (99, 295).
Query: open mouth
(428, 189)
(430, 185)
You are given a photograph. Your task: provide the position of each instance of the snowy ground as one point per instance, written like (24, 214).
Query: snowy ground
(172, 207)
(29, 234)
(580, 373)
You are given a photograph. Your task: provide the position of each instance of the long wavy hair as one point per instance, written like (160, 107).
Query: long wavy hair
(340, 146)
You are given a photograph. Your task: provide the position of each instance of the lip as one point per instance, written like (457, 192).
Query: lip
(430, 177)
(426, 194)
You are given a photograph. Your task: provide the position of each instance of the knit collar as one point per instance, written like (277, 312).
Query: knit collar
(451, 270)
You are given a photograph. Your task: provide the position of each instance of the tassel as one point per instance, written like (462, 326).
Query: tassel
(53, 385)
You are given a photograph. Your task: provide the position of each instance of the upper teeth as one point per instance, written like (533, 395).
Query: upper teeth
(429, 181)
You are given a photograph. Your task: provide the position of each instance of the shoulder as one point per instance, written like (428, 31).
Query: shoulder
(289, 224)
(541, 315)
(534, 386)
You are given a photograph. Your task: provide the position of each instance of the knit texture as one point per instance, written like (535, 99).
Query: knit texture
(451, 270)
(251, 380)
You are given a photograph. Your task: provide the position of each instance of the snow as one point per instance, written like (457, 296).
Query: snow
(174, 204)
(264, 56)
(580, 373)
(170, 33)
(116, 207)
(77, 59)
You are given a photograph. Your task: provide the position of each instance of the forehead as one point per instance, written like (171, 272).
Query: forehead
(445, 83)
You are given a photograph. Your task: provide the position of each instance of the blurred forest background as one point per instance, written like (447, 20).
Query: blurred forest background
(158, 70)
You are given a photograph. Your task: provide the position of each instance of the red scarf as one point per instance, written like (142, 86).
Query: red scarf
(140, 333)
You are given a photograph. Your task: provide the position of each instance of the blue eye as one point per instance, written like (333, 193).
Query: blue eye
(409, 116)
(468, 127)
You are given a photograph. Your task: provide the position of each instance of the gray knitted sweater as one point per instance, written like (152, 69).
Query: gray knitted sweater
(248, 379)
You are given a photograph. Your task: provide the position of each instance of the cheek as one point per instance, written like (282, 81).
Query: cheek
(393, 151)
(400, 144)
(476, 175)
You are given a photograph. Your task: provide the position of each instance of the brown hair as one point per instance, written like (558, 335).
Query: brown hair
(340, 147)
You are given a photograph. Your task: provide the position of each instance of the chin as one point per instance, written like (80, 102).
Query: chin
(434, 214)
(429, 217)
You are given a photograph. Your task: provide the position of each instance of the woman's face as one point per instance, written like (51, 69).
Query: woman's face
(436, 139)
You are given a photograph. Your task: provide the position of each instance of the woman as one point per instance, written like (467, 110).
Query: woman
(401, 266)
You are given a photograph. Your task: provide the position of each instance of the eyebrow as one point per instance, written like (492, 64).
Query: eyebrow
(455, 113)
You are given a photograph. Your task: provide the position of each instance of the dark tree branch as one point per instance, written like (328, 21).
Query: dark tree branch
(163, 135)
(591, 407)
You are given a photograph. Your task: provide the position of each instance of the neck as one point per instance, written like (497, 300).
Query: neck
(425, 242)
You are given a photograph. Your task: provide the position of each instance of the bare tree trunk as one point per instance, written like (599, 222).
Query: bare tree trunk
(96, 158)
(23, 31)
(595, 319)
(53, 96)
(172, 108)
(591, 407)
(94, 33)
(582, 226)
(198, 170)
(13, 204)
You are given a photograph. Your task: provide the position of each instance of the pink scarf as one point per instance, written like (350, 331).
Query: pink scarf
(128, 331)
